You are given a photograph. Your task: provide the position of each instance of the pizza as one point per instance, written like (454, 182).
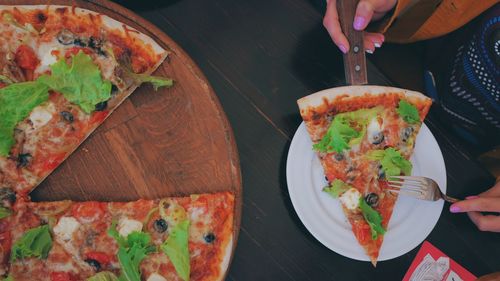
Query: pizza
(63, 71)
(177, 238)
(363, 135)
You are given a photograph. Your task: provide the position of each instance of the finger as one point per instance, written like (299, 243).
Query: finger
(364, 14)
(369, 45)
(485, 223)
(332, 25)
(372, 41)
(480, 204)
(492, 192)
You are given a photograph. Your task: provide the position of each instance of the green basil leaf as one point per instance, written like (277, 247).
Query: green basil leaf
(16, 103)
(80, 82)
(373, 218)
(176, 248)
(35, 242)
(336, 188)
(408, 112)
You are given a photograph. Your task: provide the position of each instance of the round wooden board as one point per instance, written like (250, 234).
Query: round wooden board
(170, 142)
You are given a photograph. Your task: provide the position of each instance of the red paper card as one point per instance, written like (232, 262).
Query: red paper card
(432, 264)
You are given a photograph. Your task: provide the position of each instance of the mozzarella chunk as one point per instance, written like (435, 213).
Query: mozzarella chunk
(127, 226)
(156, 277)
(41, 115)
(350, 199)
(66, 227)
(374, 129)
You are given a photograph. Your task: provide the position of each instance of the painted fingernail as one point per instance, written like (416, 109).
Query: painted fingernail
(454, 209)
(343, 48)
(359, 22)
(471, 197)
(369, 51)
(377, 45)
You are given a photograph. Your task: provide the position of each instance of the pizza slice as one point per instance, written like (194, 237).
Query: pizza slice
(177, 238)
(362, 136)
(63, 70)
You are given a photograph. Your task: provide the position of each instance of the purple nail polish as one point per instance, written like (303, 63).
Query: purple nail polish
(358, 23)
(471, 197)
(454, 209)
(343, 49)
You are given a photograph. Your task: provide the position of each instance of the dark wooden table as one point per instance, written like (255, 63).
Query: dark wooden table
(260, 56)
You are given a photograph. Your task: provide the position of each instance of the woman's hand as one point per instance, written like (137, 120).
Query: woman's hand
(488, 201)
(366, 11)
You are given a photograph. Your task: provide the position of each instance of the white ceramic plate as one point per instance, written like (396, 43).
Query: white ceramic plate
(412, 219)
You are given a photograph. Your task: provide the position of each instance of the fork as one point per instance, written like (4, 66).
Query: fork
(419, 187)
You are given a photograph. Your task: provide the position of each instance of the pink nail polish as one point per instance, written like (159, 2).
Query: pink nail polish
(471, 197)
(454, 209)
(358, 23)
(343, 49)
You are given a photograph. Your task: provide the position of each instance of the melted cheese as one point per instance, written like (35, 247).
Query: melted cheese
(41, 115)
(65, 228)
(373, 129)
(47, 58)
(350, 199)
(156, 277)
(127, 226)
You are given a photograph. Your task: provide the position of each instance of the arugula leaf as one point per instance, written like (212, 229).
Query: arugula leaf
(16, 103)
(337, 136)
(408, 112)
(4, 212)
(35, 242)
(103, 276)
(336, 188)
(80, 82)
(372, 217)
(176, 248)
(8, 278)
(131, 251)
(340, 135)
(393, 163)
(156, 81)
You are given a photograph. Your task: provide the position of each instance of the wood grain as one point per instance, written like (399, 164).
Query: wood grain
(172, 142)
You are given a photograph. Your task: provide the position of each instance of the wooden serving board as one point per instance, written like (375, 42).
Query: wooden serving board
(170, 142)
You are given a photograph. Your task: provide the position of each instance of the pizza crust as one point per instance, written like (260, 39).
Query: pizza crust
(330, 95)
(107, 21)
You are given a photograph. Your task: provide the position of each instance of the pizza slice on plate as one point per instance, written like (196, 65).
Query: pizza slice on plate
(363, 135)
(63, 70)
(177, 238)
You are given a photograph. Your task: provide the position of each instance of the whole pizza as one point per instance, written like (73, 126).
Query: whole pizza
(63, 71)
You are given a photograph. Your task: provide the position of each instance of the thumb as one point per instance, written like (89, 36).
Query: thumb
(364, 14)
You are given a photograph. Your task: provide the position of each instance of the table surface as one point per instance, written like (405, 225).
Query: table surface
(260, 56)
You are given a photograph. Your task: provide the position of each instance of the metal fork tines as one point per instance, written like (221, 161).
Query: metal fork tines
(419, 187)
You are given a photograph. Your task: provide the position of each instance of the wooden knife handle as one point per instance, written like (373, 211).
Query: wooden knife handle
(354, 60)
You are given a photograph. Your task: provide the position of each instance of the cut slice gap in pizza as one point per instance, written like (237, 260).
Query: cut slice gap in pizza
(63, 71)
(362, 136)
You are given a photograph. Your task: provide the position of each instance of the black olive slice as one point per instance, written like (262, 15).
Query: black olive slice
(160, 225)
